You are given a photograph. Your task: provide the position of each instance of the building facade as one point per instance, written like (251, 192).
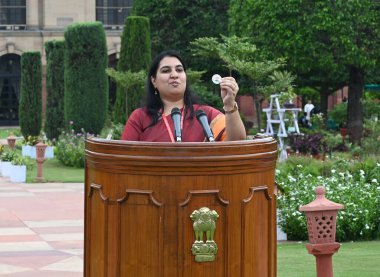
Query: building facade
(25, 25)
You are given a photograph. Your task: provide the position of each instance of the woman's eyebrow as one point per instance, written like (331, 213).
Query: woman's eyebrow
(168, 67)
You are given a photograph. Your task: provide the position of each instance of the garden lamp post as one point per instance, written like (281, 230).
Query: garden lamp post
(321, 223)
(40, 158)
(11, 140)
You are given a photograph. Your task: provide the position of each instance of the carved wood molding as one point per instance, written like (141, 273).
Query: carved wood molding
(192, 193)
(125, 197)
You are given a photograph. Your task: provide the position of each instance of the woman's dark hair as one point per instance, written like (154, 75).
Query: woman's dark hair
(153, 101)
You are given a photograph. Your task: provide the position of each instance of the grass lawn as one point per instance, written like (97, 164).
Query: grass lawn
(5, 132)
(54, 171)
(357, 259)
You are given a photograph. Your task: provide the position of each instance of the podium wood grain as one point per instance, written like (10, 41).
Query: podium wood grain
(139, 197)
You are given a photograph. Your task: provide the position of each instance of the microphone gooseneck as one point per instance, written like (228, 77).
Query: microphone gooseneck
(202, 118)
(176, 117)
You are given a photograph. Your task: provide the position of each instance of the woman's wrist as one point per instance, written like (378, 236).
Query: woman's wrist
(230, 110)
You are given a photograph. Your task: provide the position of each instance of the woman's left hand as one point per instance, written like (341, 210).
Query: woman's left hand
(229, 89)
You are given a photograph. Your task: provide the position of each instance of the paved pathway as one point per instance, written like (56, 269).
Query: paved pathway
(41, 229)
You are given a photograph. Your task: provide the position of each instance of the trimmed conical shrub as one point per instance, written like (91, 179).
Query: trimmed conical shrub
(55, 119)
(30, 107)
(135, 55)
(86, 82)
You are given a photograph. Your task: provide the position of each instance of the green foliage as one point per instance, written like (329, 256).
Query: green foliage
(70, 148)
(205, 95)
(115, 130)
(30, 107)
(86, 82)
(200, 18)
(55, 88)
(31, 140)
(354, 184)
(135, 56)
(208, 97)
(241, 55)
(127, 79)
(135, 53)
(371, 142)
(300, 32)
(371, 109)
(339, 114)
(7, 154)
(18, 159)
(327, 43)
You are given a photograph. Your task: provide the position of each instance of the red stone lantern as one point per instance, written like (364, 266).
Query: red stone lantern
(11, 140)
(321, 223)
(40, 158)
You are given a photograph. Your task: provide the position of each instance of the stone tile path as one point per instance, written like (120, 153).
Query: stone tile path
(41, 229)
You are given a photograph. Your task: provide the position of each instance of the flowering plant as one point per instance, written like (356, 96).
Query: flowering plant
(70, 148)
(356, 185)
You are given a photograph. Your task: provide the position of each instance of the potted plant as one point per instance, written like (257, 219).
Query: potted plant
(6, 158)
(28, 149)
(18, 168)
(286, 98)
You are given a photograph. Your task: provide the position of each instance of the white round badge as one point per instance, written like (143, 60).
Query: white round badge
(216, 79)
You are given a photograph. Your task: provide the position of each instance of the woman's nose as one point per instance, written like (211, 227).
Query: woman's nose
(173, 74)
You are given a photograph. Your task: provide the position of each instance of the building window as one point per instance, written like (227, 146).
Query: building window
(113, 12)
(12, 12)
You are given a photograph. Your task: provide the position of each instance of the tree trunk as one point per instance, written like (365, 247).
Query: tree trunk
(355, 108)
(324, 96)
(258, 109)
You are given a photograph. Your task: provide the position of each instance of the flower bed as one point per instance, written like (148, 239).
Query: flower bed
(355, 184)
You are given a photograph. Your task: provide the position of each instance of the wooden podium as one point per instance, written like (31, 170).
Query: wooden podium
(180, 209)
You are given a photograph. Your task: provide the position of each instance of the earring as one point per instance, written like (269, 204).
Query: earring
(155, 91)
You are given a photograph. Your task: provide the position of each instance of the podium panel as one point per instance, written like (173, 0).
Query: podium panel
(180, 209)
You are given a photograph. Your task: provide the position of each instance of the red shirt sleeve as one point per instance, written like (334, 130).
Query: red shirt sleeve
(134, 126)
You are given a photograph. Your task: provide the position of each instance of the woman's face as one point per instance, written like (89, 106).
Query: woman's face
(170, 79)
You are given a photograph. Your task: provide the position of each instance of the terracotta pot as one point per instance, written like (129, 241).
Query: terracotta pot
(343, 132)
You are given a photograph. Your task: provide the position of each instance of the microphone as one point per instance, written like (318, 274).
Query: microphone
(176, 117)
(202, 118)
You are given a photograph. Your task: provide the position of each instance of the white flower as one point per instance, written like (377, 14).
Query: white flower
(366, 226)
(374, 181)
(333, 171)
(299, 165)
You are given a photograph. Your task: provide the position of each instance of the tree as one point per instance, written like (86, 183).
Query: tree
(174, 24)
(127, 80)
(241, 55)
(30, 108)
(135, 55)
(55, 119)
(86, 83)
(326, 43)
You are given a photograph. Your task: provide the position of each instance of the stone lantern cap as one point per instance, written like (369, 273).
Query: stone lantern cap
(321, 203)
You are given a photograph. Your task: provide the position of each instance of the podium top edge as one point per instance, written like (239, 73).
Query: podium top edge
(261, 140)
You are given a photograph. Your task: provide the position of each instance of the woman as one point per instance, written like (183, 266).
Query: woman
(167, 88)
